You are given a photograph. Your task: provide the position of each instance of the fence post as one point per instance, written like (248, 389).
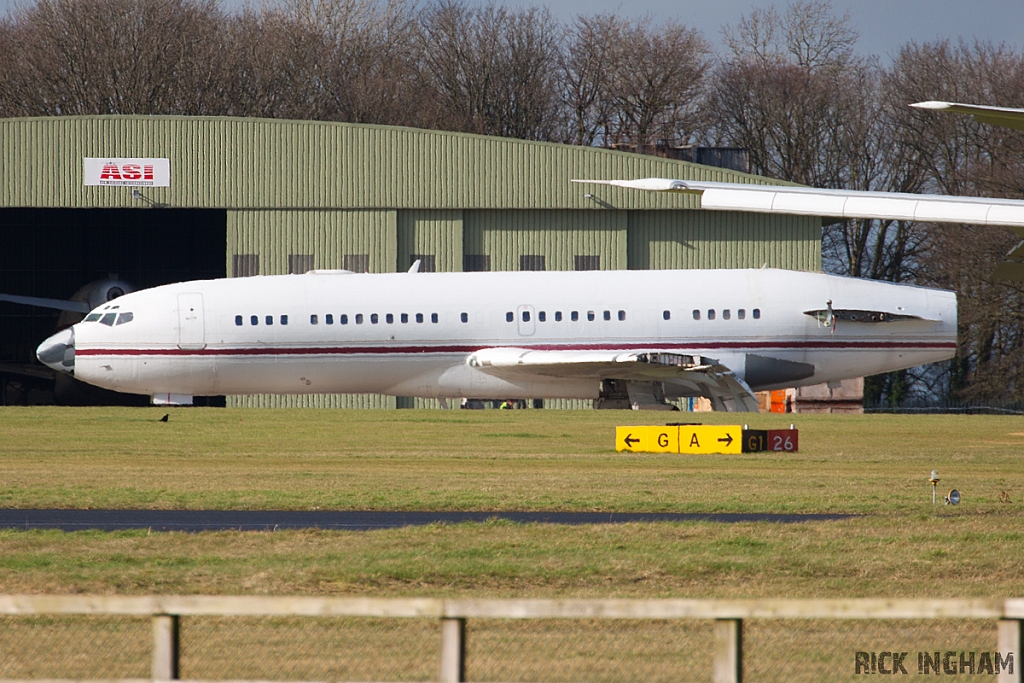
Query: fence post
(1010, 640)
(453, 650)
(165, 647)
(728, 650)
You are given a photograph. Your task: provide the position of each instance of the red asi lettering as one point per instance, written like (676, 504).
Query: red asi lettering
(131, 172)
(147, 172)
(110, 172)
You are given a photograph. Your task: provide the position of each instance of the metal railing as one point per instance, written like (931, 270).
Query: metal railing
(727, 616)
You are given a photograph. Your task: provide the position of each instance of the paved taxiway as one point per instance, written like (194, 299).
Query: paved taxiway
(352, 520)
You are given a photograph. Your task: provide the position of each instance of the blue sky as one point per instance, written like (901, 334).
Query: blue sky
(883, 25)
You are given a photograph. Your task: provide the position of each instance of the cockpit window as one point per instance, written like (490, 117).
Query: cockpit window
(108, 318)
(125, 318)
(92, 317)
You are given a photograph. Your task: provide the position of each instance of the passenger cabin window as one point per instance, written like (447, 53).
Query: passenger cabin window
(464, 317)
(558, 316)
(741, 313)
(696, 314)
(509, 317)
(526, 316)
(254, 320)
(622, 315)
(590, 316)
(313, 320)
(607, 315)
(711, 314)
(125, 318)
(757, 313)
(405, 317)
(575, 315)
(666, 315)
(359, 318)
(373, 318)
(542, 316)
(343, 319)
(726, 314)
(329, 319)
(433, 317)
(419, 317)
(284, 319)
(270, 320)
(238, 320)
(389, 318)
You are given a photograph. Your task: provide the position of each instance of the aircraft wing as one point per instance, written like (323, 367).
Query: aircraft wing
(997, 116)
(59, 304)
(684, 374)
(810, 201)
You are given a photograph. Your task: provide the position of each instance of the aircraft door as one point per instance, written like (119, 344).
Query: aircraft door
(191, 323)
(525, 318)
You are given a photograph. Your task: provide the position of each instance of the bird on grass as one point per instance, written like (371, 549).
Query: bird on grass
(165, 417)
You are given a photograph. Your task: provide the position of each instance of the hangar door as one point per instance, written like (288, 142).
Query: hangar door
(52, 253)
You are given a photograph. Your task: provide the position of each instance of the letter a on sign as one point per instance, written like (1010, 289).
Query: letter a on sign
(694, 443)
(110, 172)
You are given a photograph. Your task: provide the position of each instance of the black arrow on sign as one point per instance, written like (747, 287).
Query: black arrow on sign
(630, 440)
(727, 439)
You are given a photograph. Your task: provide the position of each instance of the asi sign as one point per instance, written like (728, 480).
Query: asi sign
(121, 172)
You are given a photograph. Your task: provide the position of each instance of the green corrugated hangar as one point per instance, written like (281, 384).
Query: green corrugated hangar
(255, 196)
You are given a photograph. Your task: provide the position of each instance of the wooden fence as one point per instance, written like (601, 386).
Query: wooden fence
(728, 617)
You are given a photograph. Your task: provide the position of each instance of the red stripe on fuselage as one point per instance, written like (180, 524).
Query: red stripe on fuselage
(407, 350)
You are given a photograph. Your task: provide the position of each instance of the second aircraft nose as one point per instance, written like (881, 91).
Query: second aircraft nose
(58, 351)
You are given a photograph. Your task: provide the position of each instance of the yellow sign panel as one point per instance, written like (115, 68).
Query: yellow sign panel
(647, 439)
(696, 439)
(711, 439)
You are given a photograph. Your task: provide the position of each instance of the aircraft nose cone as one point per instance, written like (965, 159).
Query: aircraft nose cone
(58, 351)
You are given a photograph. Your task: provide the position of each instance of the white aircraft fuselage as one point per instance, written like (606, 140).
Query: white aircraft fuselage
(503, 334)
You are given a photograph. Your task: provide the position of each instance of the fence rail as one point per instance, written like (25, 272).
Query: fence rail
(727, 616)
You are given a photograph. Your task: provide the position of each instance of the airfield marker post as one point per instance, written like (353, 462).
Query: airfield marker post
(453, 650)
(728, 651)
(165, 647)
(1010, 640)
(934, 479)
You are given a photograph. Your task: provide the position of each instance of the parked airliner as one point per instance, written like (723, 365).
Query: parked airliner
(626, 338)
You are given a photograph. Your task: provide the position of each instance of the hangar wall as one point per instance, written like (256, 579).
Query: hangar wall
(299, 195)
(232, 163)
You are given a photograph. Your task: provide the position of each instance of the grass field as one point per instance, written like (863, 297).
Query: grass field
(876, 466)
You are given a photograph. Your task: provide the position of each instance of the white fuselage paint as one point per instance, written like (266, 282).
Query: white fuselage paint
(183, 338)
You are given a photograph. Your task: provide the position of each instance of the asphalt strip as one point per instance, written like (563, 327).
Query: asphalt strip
(350, 520)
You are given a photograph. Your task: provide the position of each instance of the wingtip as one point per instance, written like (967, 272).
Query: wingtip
(651, 184)
(931, 104)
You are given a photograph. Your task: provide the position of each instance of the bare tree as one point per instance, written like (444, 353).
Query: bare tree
(114, 57)
(278, 66)
(958, 155)
(493, 70)
(10, 98)
(365, 68)
(808, 110)
(585, 66)
(656, 83)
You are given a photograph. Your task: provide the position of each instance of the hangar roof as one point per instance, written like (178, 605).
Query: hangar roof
(236, 163)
